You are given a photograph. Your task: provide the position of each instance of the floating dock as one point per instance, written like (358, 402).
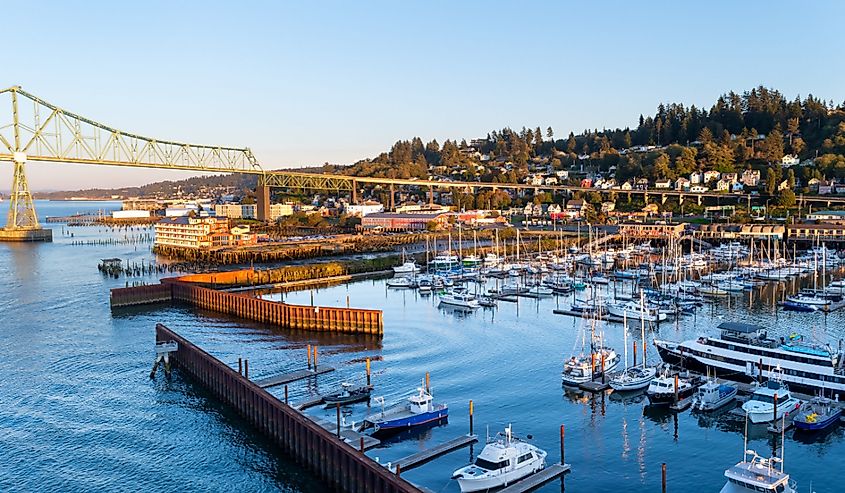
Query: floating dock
(349, 436)
(538, 479)
(293, 376)
(595, 386)
(589, 315)
(426, 455)
(341, 465)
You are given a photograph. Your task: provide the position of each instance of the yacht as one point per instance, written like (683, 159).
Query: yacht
(809, 300)
(503, 461)
(634, 378)
(634, 310)
(407, 268)
(737, 352)
(445, 262)
(761, 406)
(461, 300)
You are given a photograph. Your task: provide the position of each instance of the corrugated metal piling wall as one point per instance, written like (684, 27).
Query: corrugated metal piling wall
(316, 318)
(341, 466)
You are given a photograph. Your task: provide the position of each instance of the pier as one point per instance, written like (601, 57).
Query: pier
(293, 376)
(432, 453)
(538, 479)
(315, 318)
(331, 458)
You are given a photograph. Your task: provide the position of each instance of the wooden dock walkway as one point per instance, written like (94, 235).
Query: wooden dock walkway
(595, 386)
(309, 403)
(538, 479)
(426, 455)
(292, 376)
(589, 315)
(349, 436)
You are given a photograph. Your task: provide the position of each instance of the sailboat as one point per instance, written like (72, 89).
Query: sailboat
(635, 377)
(587, 367)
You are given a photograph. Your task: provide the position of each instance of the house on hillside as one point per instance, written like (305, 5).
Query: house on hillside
(664, 183)
(682, 184)
(695, 178)
(710, 175)
(576, 208)
(789, 160)
(751, 177)
(737, 187)
(699, 189)
(783, 185)
(608, 207)
(723, 185)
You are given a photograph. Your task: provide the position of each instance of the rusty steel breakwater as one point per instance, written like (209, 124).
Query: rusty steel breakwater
(331, 459)
(300, 317)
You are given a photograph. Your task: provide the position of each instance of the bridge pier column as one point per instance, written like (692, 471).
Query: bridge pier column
(663, 198)
(431, 195)
(354, 191)
(392, 198)
(645, 198)
(681, 199)
(262, 199)
(699, 199)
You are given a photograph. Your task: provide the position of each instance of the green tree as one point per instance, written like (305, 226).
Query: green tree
(550, 134)
(773, 146)
(787, 198)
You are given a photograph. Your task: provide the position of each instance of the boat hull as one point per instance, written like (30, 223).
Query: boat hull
(488, 483)
(405, 422)
(666, 398)
(819, 424)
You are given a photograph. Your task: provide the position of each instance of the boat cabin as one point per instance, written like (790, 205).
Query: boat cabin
(758, 474)
(421, 403)
(746, 334)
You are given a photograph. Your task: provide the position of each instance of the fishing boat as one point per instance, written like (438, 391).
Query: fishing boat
(459, 299)
(587, 367)
(817, 414)
(770, 402)
(661, 390)
(418, 410)
(348, 395)
(503, 461)
(713, 395)
(758, 475)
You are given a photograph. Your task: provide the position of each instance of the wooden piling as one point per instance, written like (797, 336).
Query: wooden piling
(368, 370)
(309, 356)
(676, 389)
(562, 444)
(775, 411)
(246, 369)
(663, 477)
(635, 353)
(337, 406)
(398, 469)
(286, 394)
(315, 358)
(602, 367)
(470, 416)
(240, 367)
(427, 383)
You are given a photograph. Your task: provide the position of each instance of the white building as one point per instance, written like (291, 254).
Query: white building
(280, 210)
(698, 189)
(361, 210)
(789, 160)
(710, 175)
(666, 183)
(682, 184)
(750, 177)
(130, 214)
(695, 177)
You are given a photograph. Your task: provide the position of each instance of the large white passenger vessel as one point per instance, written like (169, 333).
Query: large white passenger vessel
(741, 349)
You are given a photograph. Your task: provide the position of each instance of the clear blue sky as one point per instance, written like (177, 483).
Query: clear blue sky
(302, 83)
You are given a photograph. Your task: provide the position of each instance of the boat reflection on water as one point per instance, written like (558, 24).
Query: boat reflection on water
(824, 438)
(627, 398)
(576, 395)
(457, 311)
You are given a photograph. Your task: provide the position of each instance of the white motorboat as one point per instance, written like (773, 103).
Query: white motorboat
(406, 268)
(761, 406)
(424, 286)
(503, 461)
(661, 390)
(401, 282)
(710, 290)
(713, 395)
(809, 300)
(461, 300)
(634, 310)
(758, 474)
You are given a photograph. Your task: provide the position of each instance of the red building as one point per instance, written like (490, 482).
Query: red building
(403, 222)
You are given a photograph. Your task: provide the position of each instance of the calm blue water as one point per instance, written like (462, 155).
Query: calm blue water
(79, 412)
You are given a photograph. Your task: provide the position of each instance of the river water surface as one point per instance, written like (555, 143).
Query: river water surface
(79, 412)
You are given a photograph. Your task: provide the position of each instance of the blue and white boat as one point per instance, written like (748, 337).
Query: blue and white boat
(817, 414)
(418, 410)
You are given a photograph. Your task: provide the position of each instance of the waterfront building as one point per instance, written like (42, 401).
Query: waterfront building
(141, 205)
(742, 231)
(403, 221)
(826, 216)
(130, 214)
(191, 232)
(235, 211)
(815, 232)
(652, 231)
(361, 210)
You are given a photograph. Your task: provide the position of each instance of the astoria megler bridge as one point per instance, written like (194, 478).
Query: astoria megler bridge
(38, 131)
